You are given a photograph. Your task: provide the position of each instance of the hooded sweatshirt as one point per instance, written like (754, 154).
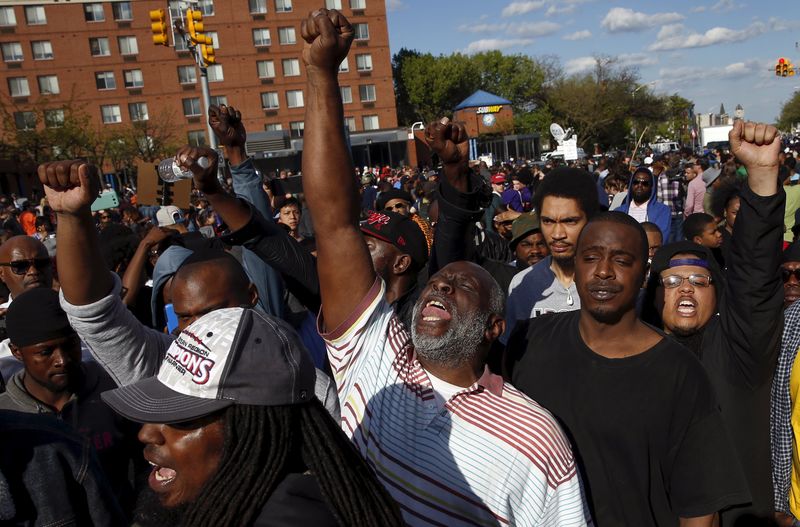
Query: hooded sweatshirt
(657, 212)
(739, 345)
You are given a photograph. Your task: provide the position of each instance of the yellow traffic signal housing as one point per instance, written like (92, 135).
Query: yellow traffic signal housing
(194, 23)
(784, 70)
(778, 70)
(791, 71)
(158, 25)
(207, 50)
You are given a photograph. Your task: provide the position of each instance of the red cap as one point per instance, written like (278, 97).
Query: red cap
(498, 179)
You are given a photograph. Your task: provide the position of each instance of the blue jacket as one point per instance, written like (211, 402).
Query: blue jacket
(657, 212)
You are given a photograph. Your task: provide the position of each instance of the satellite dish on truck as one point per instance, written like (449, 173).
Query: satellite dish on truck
(557, 132)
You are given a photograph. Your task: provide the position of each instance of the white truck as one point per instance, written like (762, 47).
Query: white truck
(714, 134)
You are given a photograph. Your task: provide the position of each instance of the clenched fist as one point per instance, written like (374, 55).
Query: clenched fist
(226, 122)
(448, 140)
(328, 36)
(757, 145)
(205, 179)
(70, 186)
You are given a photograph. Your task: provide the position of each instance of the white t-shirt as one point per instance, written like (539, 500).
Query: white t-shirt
(637, 212)
(443, 390)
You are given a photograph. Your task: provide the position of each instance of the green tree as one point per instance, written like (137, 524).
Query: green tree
(435, 85)
(790, 113)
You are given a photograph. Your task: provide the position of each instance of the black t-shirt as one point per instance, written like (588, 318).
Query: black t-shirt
(646, 430)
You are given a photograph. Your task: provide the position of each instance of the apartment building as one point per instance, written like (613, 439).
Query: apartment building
(101, 55)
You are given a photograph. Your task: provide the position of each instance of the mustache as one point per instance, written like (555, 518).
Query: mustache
(604, 286)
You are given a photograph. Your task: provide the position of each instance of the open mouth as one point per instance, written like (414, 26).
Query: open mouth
(435, 311)
(161, 477)
(687, 307)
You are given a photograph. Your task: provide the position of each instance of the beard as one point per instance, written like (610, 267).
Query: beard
(149, 511)
(458, 345)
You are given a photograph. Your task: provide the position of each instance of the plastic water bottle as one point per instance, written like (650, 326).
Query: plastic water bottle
(170, 172)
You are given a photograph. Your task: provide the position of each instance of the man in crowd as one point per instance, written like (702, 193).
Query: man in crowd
(732, 322)
(641, 203)
(790, 272)
(527, 242)
(418, 405)
(395, 200)
(229, 449)
(639, 408)
(566, 199)
(654, 239)
(55, 382)
(701, 229)
(696, 190)
(672, 194)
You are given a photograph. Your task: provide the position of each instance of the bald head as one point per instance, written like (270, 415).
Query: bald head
(33, 266)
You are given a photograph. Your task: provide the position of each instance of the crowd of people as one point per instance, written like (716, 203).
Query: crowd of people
(608, 341)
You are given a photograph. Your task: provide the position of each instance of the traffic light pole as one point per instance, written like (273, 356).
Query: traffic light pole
(212, 139)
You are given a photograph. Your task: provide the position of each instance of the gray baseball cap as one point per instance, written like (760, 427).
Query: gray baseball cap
(229, 356)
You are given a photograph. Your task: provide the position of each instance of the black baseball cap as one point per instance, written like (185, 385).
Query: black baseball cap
(401, 231)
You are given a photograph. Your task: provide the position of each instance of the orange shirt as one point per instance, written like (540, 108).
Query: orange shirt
(28, 221)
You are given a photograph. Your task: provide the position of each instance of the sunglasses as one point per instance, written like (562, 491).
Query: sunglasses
(21, 267)
(698, 280)
(642, 182)
(786, 274)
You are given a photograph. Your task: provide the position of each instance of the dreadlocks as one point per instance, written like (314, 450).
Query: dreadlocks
(264, 443)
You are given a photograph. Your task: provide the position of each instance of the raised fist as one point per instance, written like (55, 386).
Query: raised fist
(205, 179)
(757, 145)
(226, 121)
(448, 140)
(70, 186)
(328, 36)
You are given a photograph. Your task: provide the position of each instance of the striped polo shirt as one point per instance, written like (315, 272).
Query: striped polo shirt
(490, 456)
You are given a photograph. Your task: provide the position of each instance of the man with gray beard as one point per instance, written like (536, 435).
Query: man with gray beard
(452, 443)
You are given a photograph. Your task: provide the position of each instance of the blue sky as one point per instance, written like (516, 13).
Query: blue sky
(709, 51)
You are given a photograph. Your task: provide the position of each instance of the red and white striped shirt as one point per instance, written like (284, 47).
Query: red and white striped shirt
(491, 456)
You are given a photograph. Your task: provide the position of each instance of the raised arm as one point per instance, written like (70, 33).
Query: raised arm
(134, 273)
(71, 187)
(343, 261)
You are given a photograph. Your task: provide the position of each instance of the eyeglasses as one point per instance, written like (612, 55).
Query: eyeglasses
(642, 182)
(21, 267)
(673, 280)
(787, 274)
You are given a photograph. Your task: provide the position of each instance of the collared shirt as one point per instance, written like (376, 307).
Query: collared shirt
(669, 193)
(490, 456)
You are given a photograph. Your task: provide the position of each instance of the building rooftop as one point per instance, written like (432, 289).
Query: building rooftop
(481, 98)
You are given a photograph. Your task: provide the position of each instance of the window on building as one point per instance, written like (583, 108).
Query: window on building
(296, 129)
(175, 9)
(215, 73)
(364, 62)
(350, 123)
(197, 138)
(286, 35)
(187, 75)
(283, 6)
(291, 67)
(12, 52)
(93, 12)
(25, 120)
(273, 127)
(18, 87)
(99, 47)
(214, 39)
(217, 100)
(105, 80)
(344, 67)
(122, 11)
(370, 122)
(347, 94)
(258, 7)
(35, 15)
(269, 100)
(111, 113)
(191, 107)
(7, 16)
(128, 46)
(138, 111)
(206, 7)
(361, 31)
(180, 43)
(261, 37)
(48, 85)
(133, 78)
(54, 118)
(294, 98)
(366, 92)
(42, 50)
(266, 69)
(333, 4)
(358, 4)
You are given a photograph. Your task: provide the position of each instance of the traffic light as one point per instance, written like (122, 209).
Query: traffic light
(158, 24)
(194, 23)
(207, 51)
(779, 67)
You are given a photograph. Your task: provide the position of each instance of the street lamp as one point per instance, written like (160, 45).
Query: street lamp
(633, 97)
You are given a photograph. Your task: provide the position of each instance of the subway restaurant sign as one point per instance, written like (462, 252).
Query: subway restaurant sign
(488, 109)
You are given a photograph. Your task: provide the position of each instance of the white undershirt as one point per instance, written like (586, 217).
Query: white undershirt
(637, 212)
(444, 390)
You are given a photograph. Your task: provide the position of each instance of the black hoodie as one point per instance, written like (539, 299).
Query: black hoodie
(740, 344)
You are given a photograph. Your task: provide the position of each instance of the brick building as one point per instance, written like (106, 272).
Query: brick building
(101, 54)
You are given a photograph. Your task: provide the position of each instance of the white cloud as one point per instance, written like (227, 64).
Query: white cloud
(558, 9)
(522, 7)
(621, 19)
(690, 75)
(517, 29)
(395, 5)
(698, 9)
(490, 44)
(676, 36)
(578, 35)
(580, 65)
(482, 28)
(724, 6)
(636, 59)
